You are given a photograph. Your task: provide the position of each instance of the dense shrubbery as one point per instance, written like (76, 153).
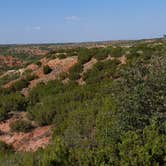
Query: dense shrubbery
(117, 52)
(84, 55)
(75, 71)
(43, 114)
(142, 96)
(62, 56)
(4, 148)
(3, 114)
(11, 102)
(143, 148)
(48, 108)
(145, 51)
(4, 80)
(101, 71)
(117, 118)
(22, 83)
(103, 53)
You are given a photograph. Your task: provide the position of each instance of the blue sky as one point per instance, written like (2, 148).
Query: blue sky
(42, 21)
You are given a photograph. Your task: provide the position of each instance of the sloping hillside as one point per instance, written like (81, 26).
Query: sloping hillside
(87, 106)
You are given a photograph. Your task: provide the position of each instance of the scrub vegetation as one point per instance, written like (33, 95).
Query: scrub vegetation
(118, 117)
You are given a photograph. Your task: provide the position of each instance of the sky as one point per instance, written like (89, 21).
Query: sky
(59, 21)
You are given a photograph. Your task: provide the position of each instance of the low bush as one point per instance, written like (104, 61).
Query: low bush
(38, 63)
(3, 114)
(21, 126)
(74, 76)
(63, 76)
(4, 148)
(19, 85)
(117, 52)
(43, 115)
(84, 56)
(61, 56)
(101, 71)
(30, 77)
(102, 54)
(4, 80)
(75, 71)
(78, 68)
(11, 102)
(47, 69)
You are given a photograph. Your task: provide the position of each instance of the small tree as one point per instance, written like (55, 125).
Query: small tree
(47, 69)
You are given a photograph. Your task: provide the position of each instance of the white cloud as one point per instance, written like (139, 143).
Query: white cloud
(35, 28)
(72, 18)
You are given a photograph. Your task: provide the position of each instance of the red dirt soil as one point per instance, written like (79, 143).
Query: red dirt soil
(26, 142)
(9, 61)
(58, 66)
(34, 51)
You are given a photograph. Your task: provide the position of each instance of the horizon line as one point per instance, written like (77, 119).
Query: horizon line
(81, 42)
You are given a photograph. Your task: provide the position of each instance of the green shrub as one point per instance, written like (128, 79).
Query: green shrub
(30, 77)
(63, 76)
(16, 102)
(77, 68)
(43, 115)
(3, 114)
(141, 96)
(117, 52)
(21, 126)
(42, 90)
(102, 54)
(10, 77)
(75, 71)
(74, 76)
(4, 148)
(102, 71)
(143, 148)
(84, 56)
(38, 63)
(11, 102)
(56, 106)
(74, 53)
(19, 85)
(47, 69)
(62, 56)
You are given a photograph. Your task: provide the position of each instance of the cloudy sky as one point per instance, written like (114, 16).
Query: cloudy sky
(43, 21)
